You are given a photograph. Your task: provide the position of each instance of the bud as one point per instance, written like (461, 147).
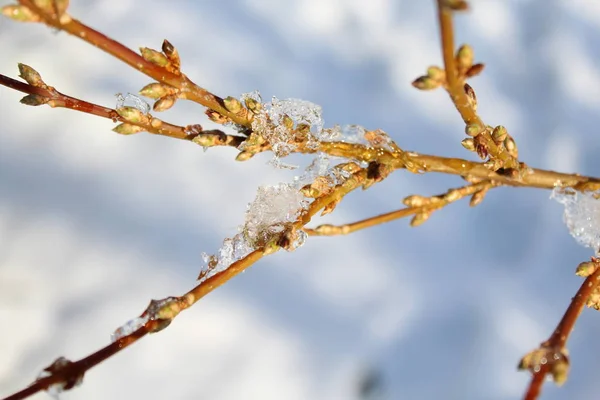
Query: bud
(471, 95)
(473, 129)
(153, 56)
(34, 100)
(419, 219)
(232, 104)
(130, 114)
(31, 75)
(474, 70)
(499, 134)
(436, 73)
(426, 83)
(464, 57)
(415, 201)
(127, 129)
(20, 13)
(164, 103)
(156, 90)
(468, 144)
(477, 198)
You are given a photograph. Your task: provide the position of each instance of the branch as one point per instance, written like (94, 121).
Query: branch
(133, 120)
(462, 95)
(169, 76)
(552, 357)
(64, 374)
(421, 207)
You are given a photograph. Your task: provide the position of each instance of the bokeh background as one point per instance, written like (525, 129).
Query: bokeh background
(93, 225)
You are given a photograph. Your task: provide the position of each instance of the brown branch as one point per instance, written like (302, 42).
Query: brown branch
(551, 357)
(188, 89)
(74, 371)
(420, 206)
(457, 90)
(52, 97)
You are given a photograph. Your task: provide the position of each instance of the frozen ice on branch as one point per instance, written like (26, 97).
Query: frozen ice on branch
(581, 215)
(269, 218)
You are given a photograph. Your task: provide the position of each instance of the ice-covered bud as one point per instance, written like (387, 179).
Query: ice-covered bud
(68, 383)
(581, 215)
(272, 212)
(132, 101)
(128, 328)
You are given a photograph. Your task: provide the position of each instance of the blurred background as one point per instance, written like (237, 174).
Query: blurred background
(93, 225)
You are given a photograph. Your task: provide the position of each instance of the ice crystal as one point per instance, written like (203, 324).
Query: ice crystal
(57, 388)
(270, 214)
(134, 100)
(278, 121)
(128, 328)
(581, 215)
(268, 218)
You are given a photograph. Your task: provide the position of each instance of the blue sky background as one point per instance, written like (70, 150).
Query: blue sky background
(93, 225)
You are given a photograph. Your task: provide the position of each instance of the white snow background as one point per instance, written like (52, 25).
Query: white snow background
(93, 225)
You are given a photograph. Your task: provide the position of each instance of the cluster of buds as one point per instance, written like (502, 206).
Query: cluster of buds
(435, 76)
(500, 137)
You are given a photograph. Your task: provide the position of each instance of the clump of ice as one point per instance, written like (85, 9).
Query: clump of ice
(56, 389)
(268, 217)
(128, 328)
(133, 101)
(272, 211)
(581, 215)
(152, 312)
(269, 123)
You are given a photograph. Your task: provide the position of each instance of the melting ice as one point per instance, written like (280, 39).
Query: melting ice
(581, 215)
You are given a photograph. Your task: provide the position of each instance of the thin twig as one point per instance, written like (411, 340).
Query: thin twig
(441, 201)
(189, 90)
(558, 340)
(153, 125)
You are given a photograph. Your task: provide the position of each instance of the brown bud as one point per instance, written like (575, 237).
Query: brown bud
(172, 54)
(471, 95)
(31, 75)
(426, 83)
(474, 70)
(164, 103)
(34, 100)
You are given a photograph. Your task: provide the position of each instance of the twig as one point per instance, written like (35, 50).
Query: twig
(420, 206)
(551, 356)
(52, 97)
(74, 371)
(456, 89)
(188, 89)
